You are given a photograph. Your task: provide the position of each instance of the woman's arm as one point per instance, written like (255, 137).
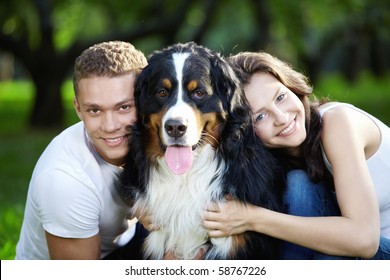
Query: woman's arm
(349, 138)
(346, 137)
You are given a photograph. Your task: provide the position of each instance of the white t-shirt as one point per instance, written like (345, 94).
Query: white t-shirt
(378, 165)
(72, 194)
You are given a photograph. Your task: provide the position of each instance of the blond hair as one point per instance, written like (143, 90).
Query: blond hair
(108, 59)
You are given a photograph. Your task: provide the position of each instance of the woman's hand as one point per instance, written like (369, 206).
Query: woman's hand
(227, 218)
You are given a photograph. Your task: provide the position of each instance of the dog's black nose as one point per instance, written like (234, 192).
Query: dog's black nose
(175, 128)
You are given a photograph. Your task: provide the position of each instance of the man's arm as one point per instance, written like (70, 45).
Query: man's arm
(73, 248)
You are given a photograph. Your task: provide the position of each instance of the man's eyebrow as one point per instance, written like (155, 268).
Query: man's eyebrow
(94, 105)
(87, 104)
(125, 101)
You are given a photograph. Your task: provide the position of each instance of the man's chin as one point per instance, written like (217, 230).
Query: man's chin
(115, 157)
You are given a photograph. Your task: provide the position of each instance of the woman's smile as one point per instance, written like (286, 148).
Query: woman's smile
(288, 130)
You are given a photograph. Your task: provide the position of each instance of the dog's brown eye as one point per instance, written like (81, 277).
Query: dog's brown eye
(162, 93)
(199, 94)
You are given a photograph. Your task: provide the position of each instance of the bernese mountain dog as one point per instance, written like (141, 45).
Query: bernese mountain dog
(193, 143)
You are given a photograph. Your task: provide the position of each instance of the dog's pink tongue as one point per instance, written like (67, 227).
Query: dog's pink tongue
(179, 159)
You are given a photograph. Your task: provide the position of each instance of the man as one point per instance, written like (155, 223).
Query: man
(73, 210)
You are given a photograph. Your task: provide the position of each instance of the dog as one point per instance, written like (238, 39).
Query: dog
(193, 143)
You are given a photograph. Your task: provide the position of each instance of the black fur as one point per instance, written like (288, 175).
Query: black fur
(252, 175)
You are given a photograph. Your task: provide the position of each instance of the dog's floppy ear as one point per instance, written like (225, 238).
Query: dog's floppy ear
(228, 87)
(141, 86)
(226, 83)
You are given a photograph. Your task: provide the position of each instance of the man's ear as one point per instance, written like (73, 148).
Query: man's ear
(77, 108)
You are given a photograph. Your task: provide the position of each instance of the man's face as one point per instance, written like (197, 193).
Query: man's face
(106, 106)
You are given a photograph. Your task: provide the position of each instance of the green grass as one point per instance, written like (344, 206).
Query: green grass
(20, 147)
(18, 154)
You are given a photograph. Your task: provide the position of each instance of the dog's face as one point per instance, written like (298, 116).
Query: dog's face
(183, 98)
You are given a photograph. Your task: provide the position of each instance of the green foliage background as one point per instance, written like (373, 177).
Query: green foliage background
(300, 31)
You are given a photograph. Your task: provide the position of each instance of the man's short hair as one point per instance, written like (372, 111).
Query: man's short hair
(108, 59)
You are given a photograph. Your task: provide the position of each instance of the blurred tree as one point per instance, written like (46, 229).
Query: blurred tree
(47, 35)
(346, 36)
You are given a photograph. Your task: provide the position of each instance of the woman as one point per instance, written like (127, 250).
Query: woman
(345, 153)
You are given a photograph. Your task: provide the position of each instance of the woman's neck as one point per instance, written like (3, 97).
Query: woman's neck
(295, 152)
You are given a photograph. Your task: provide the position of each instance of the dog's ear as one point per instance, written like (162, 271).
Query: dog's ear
(141, 88)
(226, 84)
(239, 117)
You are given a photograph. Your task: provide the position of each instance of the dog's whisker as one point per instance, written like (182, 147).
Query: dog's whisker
(209, 138)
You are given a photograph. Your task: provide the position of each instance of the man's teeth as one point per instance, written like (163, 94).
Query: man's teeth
(113, 140)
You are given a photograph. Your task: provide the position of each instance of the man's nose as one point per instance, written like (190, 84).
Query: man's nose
(110, 123)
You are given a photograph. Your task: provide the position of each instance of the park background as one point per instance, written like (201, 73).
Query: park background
(343, 46)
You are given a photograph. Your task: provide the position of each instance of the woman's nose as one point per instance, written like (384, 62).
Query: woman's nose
(281, 118)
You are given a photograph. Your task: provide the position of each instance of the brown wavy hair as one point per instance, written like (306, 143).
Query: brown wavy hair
(246, 64)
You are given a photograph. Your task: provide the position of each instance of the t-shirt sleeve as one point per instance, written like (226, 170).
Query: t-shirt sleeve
(68, 206)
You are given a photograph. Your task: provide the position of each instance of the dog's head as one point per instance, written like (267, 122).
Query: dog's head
(184, 97)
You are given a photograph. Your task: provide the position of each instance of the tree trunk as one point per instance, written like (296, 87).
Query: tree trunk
(377, 51)
(263, 22)
(351, 65)
(47, 111)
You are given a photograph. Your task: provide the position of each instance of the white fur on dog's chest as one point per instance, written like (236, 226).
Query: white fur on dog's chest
(176, 203)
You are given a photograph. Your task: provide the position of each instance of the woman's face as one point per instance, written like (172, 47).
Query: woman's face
(279, 115)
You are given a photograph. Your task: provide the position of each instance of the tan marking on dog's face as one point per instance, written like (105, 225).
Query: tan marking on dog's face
(207, 126)
(153, 138)
(192, 85)
(167, 83)
(211, 128)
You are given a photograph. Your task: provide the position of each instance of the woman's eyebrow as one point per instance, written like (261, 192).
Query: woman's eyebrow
(277, 92)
